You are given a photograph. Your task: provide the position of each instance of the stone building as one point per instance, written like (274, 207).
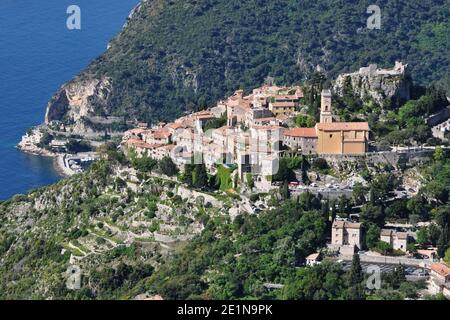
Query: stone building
(304, 139)
(346, 138)
(398, 240)
(346, 233)
(440, 278)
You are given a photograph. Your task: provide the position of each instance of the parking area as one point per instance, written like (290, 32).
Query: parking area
(386, 268)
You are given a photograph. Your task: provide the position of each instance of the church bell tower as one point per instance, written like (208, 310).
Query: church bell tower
(325, 107)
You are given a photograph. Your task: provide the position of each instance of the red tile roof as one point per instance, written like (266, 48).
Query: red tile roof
(161, 134)
(441, 268)
(301, 132)
(141, 144)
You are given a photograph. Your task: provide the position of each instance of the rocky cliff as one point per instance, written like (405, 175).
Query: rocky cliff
(172, 54)
(378, 84)
(77, 100)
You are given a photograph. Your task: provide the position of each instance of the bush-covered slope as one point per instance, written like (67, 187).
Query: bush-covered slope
(173, 53)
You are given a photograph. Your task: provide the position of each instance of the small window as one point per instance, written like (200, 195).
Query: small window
(331, 136)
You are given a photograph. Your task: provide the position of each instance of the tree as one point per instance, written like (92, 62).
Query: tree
(423, 236)
(447, 256)
(187, 174)
(77, 146)
(321, 282)
(284, 173)
(325, 210)
(444, 241)
(439, 154)
(200, 176)
(320, 164)
(355, 278)
(144, 164)
(304, 121)
(397, 277)
(372, 235)
(359, 194)
(167, 166)
(372, 214)
(284, 190)
(356, 275)
(249, 180)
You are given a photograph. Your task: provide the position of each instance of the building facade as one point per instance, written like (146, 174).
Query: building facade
(346, 233)
(334, 138)
(304, 139)
(398, 240)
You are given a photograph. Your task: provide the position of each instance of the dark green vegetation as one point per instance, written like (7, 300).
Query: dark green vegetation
(430, 203)
(88, 217)
(240, 260)
(235, 260)
(178, 55)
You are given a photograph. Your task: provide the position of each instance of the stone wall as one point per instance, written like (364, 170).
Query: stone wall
(387, 157)
(191, 194)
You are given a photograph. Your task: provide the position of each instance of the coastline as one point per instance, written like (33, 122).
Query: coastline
(60, 166)
(58, 159)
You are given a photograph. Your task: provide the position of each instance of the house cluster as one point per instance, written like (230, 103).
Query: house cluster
(254, 129)
(440, 278)
(346, 237)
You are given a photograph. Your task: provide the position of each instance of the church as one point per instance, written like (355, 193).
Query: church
(341, 138)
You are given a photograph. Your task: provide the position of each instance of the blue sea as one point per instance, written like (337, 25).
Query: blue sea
(38, 53)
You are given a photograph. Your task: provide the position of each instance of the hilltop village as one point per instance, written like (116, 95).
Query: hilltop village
(251, 133)
(272, 156)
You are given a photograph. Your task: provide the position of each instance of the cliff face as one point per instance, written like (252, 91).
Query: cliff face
(79, 99)
(172, 54)
(378, 84)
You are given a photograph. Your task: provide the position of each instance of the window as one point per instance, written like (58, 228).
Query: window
(331, 136)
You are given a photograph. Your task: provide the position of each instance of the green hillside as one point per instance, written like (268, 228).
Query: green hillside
(174, 54)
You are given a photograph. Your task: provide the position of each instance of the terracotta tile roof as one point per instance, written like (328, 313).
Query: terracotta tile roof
(282, 117)
(344, 126)
(175, 125)
(224, 130)
(441, 268)
(137, 131)
(301, 132)
(161, 134)
(167, 146)
(141, 144)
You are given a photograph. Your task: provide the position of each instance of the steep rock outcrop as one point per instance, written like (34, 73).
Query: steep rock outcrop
(78, 99)
(378, 84)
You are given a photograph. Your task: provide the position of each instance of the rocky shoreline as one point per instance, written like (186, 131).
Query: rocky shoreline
(28, 145)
